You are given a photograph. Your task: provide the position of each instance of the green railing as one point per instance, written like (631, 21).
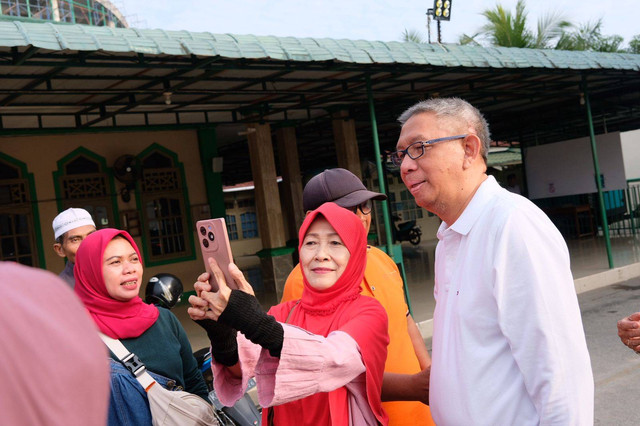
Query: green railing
(623, 209)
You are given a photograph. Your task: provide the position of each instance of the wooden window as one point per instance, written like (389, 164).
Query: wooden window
(167, 235)
(249, 225)
(82, 182)
(17, 232)
(232, 227)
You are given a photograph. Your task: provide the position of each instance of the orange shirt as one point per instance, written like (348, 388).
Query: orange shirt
(383, 282)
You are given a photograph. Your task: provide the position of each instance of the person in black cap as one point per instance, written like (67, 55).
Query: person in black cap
(406, 374)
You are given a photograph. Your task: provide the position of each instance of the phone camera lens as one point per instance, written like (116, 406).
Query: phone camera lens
(211, 236)
(203, 231)
(205, 243)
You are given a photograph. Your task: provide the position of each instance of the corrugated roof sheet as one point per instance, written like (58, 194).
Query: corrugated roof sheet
(504, 158)
(53, 36)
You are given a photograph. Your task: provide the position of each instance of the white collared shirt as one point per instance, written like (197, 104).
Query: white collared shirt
(508, 342)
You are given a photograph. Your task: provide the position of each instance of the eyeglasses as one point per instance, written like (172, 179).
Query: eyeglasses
(416, 149)
(365, 207)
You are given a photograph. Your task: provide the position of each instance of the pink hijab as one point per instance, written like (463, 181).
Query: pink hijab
(120, 320)
(54, 367)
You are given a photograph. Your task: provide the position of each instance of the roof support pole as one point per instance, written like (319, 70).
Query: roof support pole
(397, 256)
(291, 181)
(208, 146)
(275, 258)
(381, 180)
(596, 167)
(344, 134)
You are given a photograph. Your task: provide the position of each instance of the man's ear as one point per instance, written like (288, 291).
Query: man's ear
(472, 146)
(57, 247)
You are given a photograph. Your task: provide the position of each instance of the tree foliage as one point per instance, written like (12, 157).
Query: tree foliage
(634, 44)
(509, 29)
(412, 36)
(589, 36)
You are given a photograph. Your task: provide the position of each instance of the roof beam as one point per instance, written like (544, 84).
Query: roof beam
(35, 83)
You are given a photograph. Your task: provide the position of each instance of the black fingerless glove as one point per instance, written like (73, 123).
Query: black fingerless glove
(224, 347)
(243, 312)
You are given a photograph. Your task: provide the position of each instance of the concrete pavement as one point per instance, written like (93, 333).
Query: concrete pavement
(616, 368)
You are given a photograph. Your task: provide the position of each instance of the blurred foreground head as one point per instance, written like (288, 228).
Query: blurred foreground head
(55, 368)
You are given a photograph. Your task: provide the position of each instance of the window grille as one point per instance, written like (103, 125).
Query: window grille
(17, 234)
(249, 224)
(232, 227)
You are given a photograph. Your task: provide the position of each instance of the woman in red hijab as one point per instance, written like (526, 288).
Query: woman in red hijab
(318, 360)
(108, 275)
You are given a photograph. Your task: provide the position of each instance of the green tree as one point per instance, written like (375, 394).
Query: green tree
(634, 44)
(504, 28)
(589, 36)
(509, 29)
(412, 36)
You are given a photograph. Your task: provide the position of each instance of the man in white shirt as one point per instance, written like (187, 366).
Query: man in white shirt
(508, 343)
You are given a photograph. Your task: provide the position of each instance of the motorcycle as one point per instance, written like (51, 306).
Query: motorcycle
(244, 412)
(406, 231)
(165, 290)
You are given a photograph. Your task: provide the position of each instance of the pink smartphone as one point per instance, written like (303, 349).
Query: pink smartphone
(214, 242)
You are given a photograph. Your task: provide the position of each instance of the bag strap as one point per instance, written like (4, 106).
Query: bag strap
(291, 311)
(130, 361)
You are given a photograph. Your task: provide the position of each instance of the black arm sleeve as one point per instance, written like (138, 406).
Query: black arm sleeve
(243, 312)
(224, 347)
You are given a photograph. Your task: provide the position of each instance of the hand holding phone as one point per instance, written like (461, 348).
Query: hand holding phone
(214, 243)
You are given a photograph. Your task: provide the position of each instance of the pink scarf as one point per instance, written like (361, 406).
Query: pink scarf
(120, 320)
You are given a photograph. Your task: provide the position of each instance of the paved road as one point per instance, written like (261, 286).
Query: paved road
(616, 369)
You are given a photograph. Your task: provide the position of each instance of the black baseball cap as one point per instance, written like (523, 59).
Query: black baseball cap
(339, 186)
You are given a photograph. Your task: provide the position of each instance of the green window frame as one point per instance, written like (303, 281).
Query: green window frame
(163, 202)
(19, 217)
(83, 180)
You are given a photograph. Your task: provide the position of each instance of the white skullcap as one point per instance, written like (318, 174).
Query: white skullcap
(71, 219)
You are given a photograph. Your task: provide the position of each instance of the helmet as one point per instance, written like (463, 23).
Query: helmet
(163, 290)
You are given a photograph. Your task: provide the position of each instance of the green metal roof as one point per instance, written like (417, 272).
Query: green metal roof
(504, 157)
(203, 44)
(58, 77)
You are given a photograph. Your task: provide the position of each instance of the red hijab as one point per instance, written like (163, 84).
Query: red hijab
(339, 307)
(120, 320)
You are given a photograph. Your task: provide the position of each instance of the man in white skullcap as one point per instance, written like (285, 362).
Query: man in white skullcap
(71, 227)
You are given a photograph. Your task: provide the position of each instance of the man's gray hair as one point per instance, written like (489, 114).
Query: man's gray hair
(456, 109)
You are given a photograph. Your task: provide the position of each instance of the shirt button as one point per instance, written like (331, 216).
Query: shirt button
(373, 288)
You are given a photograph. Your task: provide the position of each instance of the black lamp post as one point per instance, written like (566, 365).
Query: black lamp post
(441, 12)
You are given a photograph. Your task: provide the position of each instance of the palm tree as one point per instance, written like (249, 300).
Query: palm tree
(508, 29)
(589, 36)
(412, 36)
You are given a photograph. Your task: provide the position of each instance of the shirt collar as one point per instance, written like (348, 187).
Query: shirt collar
(471, 213)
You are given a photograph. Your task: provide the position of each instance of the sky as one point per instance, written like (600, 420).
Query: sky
(383, 20)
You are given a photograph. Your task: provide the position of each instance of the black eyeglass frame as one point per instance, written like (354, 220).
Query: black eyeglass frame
(395, 154)
(368, 205)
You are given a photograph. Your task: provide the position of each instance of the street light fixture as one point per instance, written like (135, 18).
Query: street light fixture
(441, 12)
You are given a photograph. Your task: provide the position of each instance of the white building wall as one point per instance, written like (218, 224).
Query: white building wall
(631, 153)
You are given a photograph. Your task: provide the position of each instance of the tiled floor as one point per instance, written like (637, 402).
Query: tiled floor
(588, 256)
